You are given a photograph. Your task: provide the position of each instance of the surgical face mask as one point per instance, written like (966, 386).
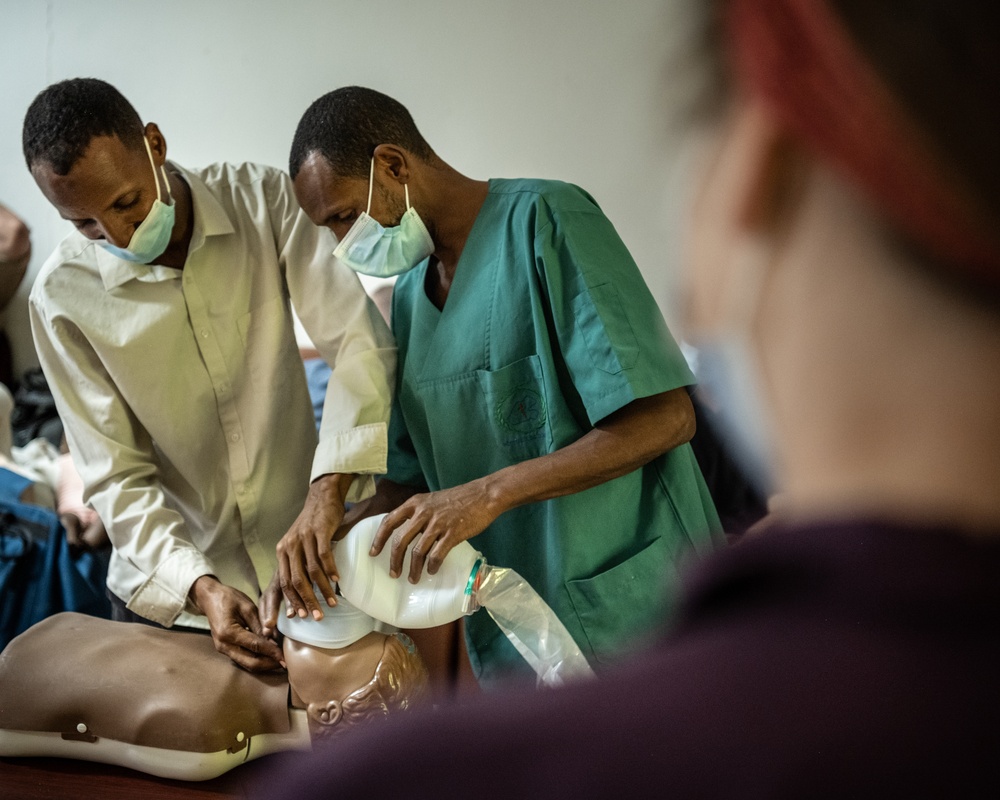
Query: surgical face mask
(381, 252)
(729, 371)
(152, 236)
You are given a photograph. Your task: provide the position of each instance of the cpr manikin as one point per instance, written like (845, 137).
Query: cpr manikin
(169, 704)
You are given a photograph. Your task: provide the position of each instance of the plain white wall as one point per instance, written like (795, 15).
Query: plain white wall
(568, 89)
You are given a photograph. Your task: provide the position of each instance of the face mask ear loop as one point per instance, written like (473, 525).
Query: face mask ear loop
(152, 163)
(406, 193)
(371, 176)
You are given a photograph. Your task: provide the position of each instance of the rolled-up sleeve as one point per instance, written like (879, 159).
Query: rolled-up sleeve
(351, 336)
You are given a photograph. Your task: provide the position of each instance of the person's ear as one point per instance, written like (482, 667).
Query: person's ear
(752, 178)
(157, 143)
(325, 714)
(773, 172)
(393, 162)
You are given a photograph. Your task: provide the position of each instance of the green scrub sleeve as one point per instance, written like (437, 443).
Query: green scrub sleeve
(611, 334)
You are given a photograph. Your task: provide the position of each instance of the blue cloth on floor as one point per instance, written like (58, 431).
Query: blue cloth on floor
(12, 485)
(40, 575)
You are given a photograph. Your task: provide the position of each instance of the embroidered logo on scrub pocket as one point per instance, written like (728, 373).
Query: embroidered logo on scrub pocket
(521, 411)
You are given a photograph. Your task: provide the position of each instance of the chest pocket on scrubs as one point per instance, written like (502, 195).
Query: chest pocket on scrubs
(517, 407)
(268, 342)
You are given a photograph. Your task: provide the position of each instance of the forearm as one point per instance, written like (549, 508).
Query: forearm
(124, 490)
(305, 555)
(331, 491)
(388, 495)
(331, 488)
(618, 444)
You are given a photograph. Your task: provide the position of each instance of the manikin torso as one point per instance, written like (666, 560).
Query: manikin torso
(169, 704)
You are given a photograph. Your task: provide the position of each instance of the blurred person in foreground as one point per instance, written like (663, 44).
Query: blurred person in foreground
(843, 243)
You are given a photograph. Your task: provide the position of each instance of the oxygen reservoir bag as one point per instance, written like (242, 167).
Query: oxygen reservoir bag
(463, 584)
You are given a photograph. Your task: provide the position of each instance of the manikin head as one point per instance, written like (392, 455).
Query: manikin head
(345, 673)
(94, 160)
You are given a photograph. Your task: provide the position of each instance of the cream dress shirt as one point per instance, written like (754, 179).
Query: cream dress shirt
(184, 397)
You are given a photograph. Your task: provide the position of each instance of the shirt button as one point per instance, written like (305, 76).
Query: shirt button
(235, 437)
(204, 333)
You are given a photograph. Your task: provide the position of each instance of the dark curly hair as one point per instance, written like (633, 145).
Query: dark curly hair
(347, 124)
(62, 120)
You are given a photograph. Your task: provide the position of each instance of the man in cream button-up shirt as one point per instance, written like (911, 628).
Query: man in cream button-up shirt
(179, 381)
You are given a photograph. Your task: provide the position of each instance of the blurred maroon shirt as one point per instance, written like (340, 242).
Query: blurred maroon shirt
(838, 660)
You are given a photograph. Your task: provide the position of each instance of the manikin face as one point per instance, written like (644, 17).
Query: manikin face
(110, 189)
(321, 678)
(335, 202)
(376, 676)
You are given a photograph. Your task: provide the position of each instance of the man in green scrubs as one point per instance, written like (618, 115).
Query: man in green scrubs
(541, 407)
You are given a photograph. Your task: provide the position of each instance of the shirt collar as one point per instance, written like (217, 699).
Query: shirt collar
(210, 219)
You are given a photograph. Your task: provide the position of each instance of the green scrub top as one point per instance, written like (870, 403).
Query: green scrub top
(547, 329)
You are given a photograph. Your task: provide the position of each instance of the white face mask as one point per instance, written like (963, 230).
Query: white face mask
(381, 252)
(152, 236)
(729, 371)
(341, 626)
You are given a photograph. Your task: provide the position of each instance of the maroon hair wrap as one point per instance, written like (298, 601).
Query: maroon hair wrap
(798, 57)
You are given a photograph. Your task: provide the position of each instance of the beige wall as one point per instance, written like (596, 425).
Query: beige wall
(567, 89)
